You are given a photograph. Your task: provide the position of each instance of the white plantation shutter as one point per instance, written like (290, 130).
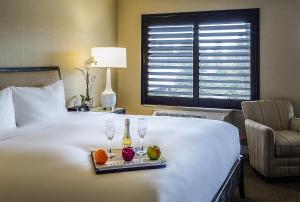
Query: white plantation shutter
(224, 61)
(170, 60)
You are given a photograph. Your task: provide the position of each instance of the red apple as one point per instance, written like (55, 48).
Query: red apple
(128, 153)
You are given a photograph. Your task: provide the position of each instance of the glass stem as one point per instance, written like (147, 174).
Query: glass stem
(110, 147)
(142, 144)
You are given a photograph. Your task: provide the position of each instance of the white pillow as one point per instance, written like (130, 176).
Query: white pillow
(7, 113)
(34, 104)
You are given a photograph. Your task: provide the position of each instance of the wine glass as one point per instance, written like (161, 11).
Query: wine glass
(142, 130)
(110, 132)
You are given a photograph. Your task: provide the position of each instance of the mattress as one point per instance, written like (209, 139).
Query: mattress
(50, 161)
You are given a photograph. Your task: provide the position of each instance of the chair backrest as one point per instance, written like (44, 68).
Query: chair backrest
(273, 113)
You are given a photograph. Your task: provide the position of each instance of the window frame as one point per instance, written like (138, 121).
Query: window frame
(248, 15)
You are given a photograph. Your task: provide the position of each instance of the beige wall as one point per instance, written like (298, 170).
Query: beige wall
(280, 45)
(57, 32)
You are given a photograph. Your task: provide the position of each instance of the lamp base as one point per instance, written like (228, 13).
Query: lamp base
(108, 99)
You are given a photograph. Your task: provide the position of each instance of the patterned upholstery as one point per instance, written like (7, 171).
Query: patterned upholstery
(287, 143)
(273, 136)
(273, 113)
(295, 124)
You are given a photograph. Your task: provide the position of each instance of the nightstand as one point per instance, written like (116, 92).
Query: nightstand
(98, 109)
(115, 110)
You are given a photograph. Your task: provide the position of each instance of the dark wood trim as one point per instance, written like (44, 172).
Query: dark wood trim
(255, 56)
(220, 103)
(241, 12)
(248, 15)
(196, 61)
(144, 56)
(30, 69)
(170, 101)
(242, 180)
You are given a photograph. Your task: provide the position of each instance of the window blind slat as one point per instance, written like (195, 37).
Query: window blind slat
(170, 67)
(169, 93)
(228, 34)
(223, 61)
(168, 60)
(176, 49)
(170, 54)
(224, 48)
(170, 36)
(171, 41)
(230, 54)
(172, 73)
(204, 41)
(222, 96)
(170, 30)
(170, 86)
(224, 88)
(215, 81)
(224, 27)
(224, 75)
(224, 68)
(167, 80)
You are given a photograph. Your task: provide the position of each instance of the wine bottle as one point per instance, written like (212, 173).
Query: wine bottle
(126, 136)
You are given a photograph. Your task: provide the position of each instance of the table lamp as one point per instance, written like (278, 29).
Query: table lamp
(109, 57)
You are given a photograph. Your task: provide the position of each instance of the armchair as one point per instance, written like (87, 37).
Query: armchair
(273, 135)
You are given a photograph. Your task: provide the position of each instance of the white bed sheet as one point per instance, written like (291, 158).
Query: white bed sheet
(50, 161)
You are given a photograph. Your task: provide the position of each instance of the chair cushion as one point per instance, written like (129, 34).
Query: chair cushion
(287, 143)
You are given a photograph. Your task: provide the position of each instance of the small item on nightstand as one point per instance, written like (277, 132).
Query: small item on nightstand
(87, 100)
(126, 136)
(87, 104)
(76, 109)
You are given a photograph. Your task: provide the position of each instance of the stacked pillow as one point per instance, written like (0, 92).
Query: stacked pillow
(25, 105)
(7, 112)
(39, 104)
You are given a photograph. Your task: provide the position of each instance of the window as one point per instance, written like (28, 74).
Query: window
(206, 59)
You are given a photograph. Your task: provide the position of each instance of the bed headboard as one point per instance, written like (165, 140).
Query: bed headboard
(28, 76)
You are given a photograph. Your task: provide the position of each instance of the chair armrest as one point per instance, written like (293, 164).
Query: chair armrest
(295, 124)
(261, 131)
(261, 144)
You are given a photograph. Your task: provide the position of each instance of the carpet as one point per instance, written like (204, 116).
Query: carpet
(258, 190)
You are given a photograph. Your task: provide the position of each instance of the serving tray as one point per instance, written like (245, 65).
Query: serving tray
(117, 164)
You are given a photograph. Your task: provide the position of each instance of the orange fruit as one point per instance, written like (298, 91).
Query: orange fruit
(101, 156)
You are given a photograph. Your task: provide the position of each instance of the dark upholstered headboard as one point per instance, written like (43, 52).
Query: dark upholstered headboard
(28, 76)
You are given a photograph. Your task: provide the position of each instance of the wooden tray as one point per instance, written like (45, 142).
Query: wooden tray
(117, 164)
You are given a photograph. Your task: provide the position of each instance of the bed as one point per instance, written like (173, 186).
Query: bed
(50, 160)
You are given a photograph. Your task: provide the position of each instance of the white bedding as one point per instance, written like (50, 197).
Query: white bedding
(50, 161)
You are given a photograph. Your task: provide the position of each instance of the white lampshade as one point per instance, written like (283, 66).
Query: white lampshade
(113, 57)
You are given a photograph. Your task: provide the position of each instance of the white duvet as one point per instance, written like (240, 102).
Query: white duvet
(51, 162)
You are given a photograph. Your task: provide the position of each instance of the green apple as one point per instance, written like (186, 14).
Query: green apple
(153, 152)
